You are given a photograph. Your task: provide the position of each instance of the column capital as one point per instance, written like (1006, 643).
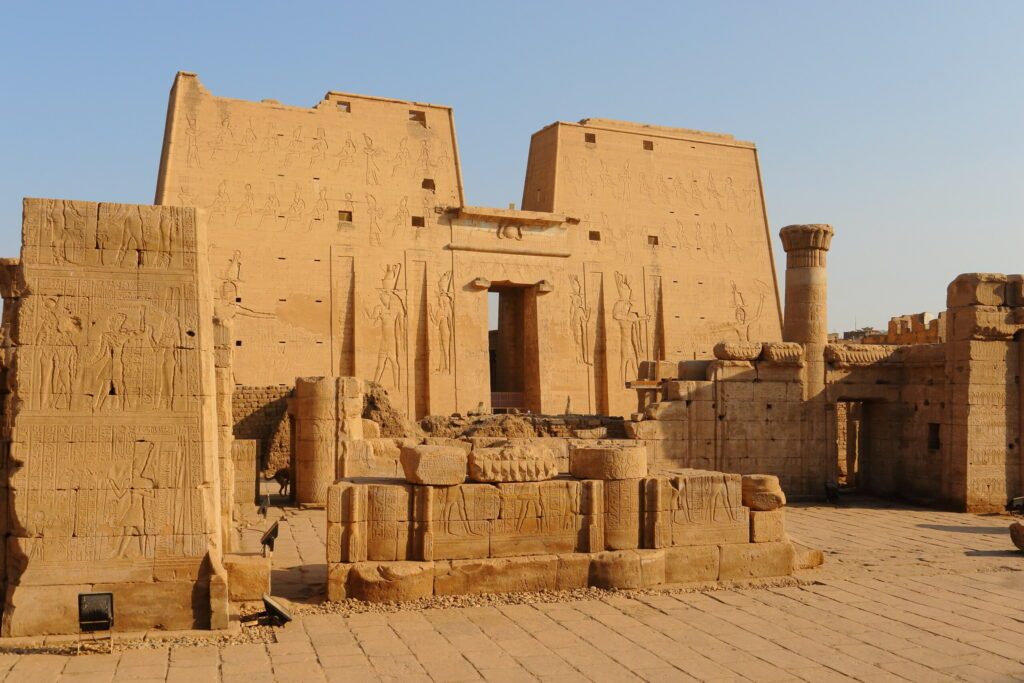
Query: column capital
(812, 236)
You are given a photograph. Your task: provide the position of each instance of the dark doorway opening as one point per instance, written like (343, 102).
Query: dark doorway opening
(513, 350)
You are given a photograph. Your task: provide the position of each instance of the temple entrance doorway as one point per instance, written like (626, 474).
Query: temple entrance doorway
(513, 349)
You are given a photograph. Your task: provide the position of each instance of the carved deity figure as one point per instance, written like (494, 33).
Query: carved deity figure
(271, 207)
(104, 371)
(631, 341)
(402, 157)
(389, 316)
(222, 201)
(401, 217)
(67, 225)
(320, 146)
(372, 167)
(442, 316)
(297, 207)
(424, 163)
(348, 152)
(320, 207)
(579, 320)
(294, 146)
(56, 340)
(374, 214)
(224, 140)
(248, 206)
(192, 134)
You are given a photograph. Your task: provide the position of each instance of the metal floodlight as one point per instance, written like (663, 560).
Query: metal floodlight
(269, 537)
(95, 614)
(275, 611)
(1015, 506)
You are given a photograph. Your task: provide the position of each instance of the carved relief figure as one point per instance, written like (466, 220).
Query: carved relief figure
(224, 140)
(233, 271)
(192, 134)
(348, 152)
(372, 167)
(295, 146)
(319, 153)
(631, 339)
(56, 338)
(442, 317)
(297, 208)
(696, 194)
(222, 201)
(401, 217)
(272, 206)
(626, 181)
(373, 214)
(104, 372)
(579, 319)
(248, 207)
(744, 317)
(67, 225)
(321, 206)
(389, 315)
(185, 197)
(713, 191)
(402, 157)
(424, 164)
(250, 140)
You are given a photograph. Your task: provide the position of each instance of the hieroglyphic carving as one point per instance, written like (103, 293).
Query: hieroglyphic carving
(389, 316)
(111, 448)
(442, 316)
(371, 152)
(579, 321)
(631, 338)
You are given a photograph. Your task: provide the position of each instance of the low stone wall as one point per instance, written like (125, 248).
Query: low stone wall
(389, 540)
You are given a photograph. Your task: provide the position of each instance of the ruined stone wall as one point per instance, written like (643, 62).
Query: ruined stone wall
(259, 414)
(112, 420)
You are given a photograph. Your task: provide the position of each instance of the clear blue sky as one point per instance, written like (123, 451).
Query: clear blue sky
(901, 123)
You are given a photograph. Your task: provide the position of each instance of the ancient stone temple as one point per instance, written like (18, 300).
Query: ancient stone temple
(342, 243)
(309, 295)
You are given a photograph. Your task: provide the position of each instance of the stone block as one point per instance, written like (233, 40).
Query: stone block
(977, 289)
(434, 465)
(624, 569)
(161, 605)
(666, 410)
(337, 581)
(737, 350)
(499, 575)
(454, 522)
(731, 371)
(42, 610)
(573, 571)
(248, 576)
(695, 508)
(806, 557)
(622, 518)
(512, 463)
(691, 390)
(536, 518)
(687, 564)
(767, 526)
(762, 492)
(608, 462)
(390, 581)
(756, 560)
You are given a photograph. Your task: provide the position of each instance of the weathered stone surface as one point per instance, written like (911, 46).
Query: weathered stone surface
(806, 557)
(513, 463)
(788, 353)
(767, 526)
(756, 560)
(499, 575)
(248, 576)
(977, 289)
(762, 492)
(390, 581)
(1017, 535)
(434, 465)
(687, 564)
(737, 350)
(608, 462)
(623, 569)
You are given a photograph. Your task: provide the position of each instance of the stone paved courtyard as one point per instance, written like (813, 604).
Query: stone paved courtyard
(905, 594)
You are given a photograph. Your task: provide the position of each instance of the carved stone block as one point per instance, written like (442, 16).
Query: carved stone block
(390, 581)
(434, 465)
(767, 526)
(536, 518)
(512, 463)
(762, 492)
(756, 560)
(608, 462)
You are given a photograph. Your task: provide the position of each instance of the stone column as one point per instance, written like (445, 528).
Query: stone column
(806, 315)
(328, 418)
(806, 322)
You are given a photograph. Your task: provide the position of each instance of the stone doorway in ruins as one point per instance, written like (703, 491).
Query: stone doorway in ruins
(849, 435)
(865, 445)
(513, 348)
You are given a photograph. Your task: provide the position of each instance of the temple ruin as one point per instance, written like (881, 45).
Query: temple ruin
(310, 291)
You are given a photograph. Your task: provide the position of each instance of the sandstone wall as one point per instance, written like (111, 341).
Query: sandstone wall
(341, 244)
(114, 477)
(259, 414)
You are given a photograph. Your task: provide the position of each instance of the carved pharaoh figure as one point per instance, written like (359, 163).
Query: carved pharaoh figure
(389, 315)
(579, 319)
(442, 316)
(373, 214)
(56, 340)
(631, 343)
(372, 167)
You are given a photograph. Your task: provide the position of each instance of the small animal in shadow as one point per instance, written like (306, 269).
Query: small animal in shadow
(283, 477)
